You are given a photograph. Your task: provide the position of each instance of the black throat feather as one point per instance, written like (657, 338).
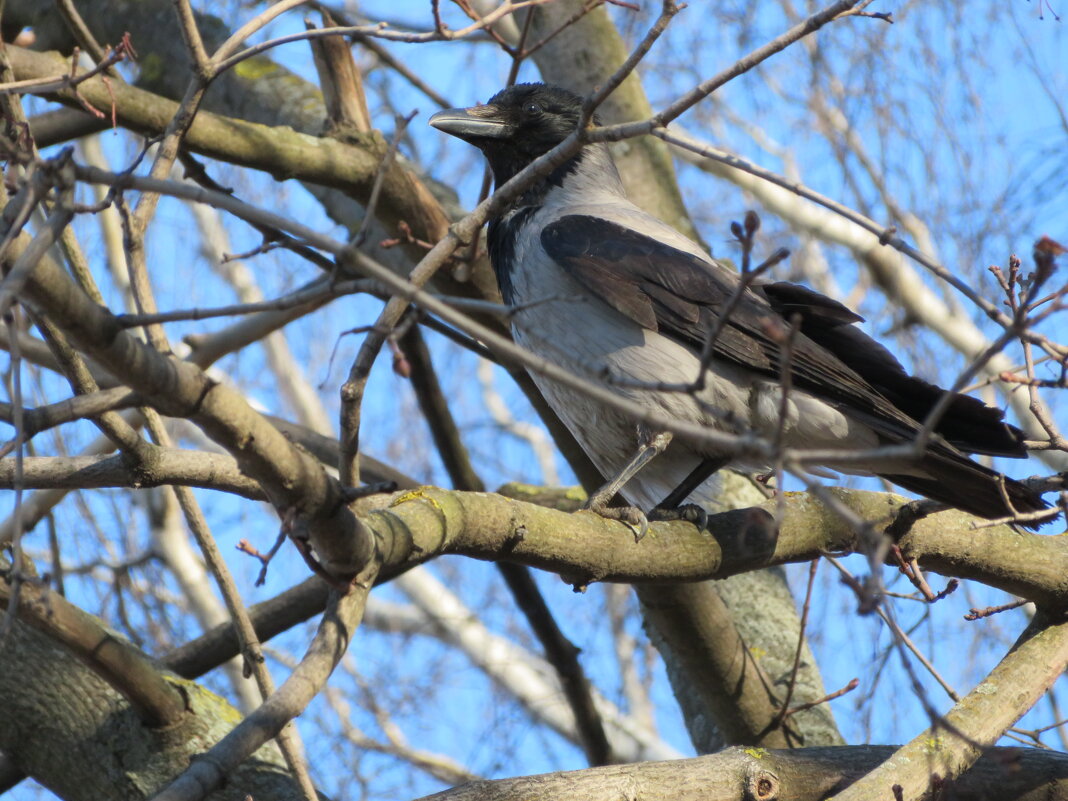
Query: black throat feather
(504, 229)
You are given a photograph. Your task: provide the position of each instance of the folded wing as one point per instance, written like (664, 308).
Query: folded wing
(682, 297)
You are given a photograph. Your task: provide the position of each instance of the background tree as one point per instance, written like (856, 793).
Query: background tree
(171, 428)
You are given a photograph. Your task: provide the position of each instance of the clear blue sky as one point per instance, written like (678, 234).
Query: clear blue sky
(999, 187)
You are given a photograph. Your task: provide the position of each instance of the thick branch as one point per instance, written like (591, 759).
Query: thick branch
(584, 547)
(72, 732)
(336, 629)
(270, 618)
(805, 774)
(165, 466)
(157, 700)
(278, 151)
(734, 689)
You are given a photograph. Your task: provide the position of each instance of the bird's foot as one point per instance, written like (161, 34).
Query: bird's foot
(687, 512)
(631, 515)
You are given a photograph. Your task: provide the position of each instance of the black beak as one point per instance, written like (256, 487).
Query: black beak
(477, 122)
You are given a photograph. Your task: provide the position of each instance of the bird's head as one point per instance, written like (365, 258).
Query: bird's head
(516, 126)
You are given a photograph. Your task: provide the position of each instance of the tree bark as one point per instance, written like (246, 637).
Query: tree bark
(78, 737)
(756, 774)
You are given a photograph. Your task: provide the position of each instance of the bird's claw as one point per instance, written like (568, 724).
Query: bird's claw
(630, 515)
(688, 512)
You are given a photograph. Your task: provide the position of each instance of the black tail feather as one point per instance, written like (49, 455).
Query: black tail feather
(968, 424)
(971, 487)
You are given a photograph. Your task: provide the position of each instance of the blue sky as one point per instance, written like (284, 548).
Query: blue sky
(994, 188)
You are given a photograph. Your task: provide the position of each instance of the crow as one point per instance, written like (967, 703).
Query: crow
(614, 293)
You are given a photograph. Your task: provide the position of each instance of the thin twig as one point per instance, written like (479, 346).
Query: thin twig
(401, 123)
(320, 291)
(378, 31)
(81, 32)
(69, 81)
(978, 614)
(785, 710)
(852, 685)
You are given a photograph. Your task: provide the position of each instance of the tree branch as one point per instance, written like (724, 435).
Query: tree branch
(158, 702)
(583, 547)
(291, 478)
(335, 631)
(282, 152)
(165, 466)
(805, 774)
(943, 752)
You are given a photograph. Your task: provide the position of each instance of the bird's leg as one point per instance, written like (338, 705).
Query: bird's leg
(649, 447)
(673, 508)
(695, 479)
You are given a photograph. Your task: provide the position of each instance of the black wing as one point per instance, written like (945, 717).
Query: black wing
(681, 296)
(968, 423)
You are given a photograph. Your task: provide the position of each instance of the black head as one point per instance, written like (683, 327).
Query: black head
(518, 124)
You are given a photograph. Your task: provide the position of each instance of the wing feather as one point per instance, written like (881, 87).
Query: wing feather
(681, 296)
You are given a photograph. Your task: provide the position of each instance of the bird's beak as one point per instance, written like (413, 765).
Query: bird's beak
(477, 122)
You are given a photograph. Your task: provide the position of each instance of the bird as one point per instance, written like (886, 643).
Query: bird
(602, 287)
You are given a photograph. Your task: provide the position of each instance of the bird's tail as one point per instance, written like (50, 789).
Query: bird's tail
(956, 480)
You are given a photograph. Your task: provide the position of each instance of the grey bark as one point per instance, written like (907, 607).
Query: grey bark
(70, 731)
(812, 774)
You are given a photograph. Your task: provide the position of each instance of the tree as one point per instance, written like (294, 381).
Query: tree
(197, 421)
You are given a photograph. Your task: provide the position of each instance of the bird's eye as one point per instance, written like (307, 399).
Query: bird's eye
(532, 109)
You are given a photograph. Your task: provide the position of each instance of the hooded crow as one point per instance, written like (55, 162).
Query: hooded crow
(615, 294)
